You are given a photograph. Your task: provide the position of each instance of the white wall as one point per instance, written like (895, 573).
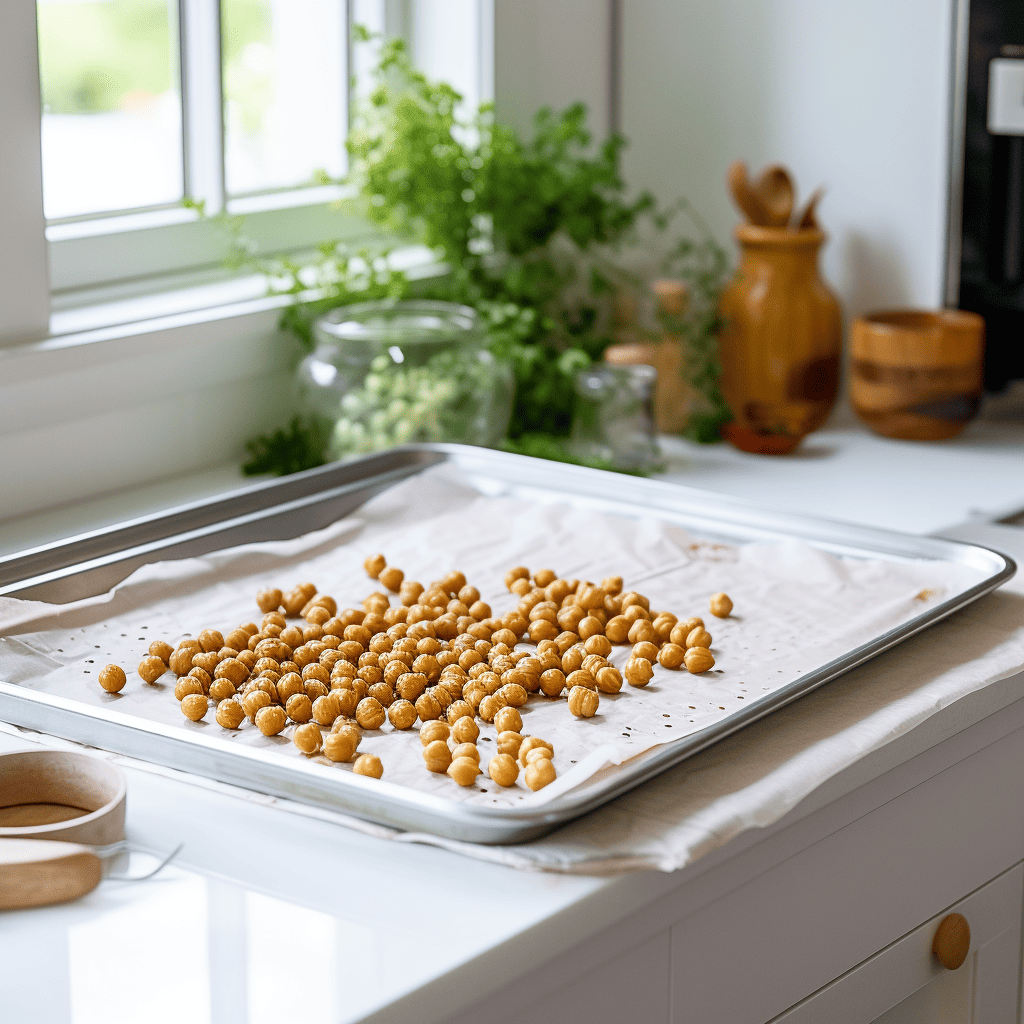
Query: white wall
(852, 95)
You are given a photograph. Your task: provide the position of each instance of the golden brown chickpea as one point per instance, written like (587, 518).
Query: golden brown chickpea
(432, 731)
(203, 678)
(537, 754)
(490, 706)
(271, 720)
(344, 727)
(572, 660)
(368, 764)
(308, 738)
(612, 584)
(299, 708)
(436, 756)
(207, 661)
(645, 649)
(533, 743)
(210, 640)
(194, 706)
(392, 578)
(580, 678)
(465, 730)
(151, 668)
(671, 656)
(184, 686)
(638, 672)
(698, 637)
(253, 701)
(593, 663)
(597, 643)
(428, 707)
(508, 720)
(229, 714)
(113, 679)
(269, 600)
(503, 769)
(634, 612)
(274, 618)
(698, 659)
(663, 625)
(544, 577)
(509, 743)
(609, 679)
(583, 703)
(720, 606)
(339, 746)
(464, 771)
(374, 566)
(570, 617)
(402, 714)
(617, 629)
(514, 694)
(233, 670)
(540, 774)
(162, 650)
(237, 639)
(326, 708)
(458, 710)
(590, 627)
(641, 630)
(292, 636)
(288, 685)
(520, 572)
(221, 689)
(552, 682)
(466, 750)
(370, 713)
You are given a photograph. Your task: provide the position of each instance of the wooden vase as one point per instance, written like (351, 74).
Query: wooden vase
(781, 340)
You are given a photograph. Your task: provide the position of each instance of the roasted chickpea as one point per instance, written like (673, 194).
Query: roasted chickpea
(299, 708)
(151, 668)
(368, 764)
(641, 630)
(663, 625)
(229, 714)
(269, 600)
(465, 730)
(340, 746)
(220, 689)
(253, 701)
(572, 660)
(374, 565)
(184, 686)
(271, 720)
(532, 743)
(508, 719)
(580, 678)
(113, 679)
(590, 627)
(509, 743)
(194, 706)
(609, 679)
(552, 682)
(490, 706)
(464, 771)
(583, 703)
(698, 659)
(645, 649)
(720, 606)
(162, 650)
(531, 756)
(370, 713)
(540, 774)
(402, 714)
(698, 637)
(436, 756)
(638, 672)
(520, 572)
(433, 730)
(308, 738)
(503, 769)
(597, 643)
(671, 656)
(458, 710)
(466, 750)
(392, 578)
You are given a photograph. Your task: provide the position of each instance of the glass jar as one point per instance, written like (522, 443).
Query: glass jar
(386, 373)
(614, 419)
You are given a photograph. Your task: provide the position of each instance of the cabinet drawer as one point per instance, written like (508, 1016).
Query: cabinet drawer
(807, 921)
(990, 972)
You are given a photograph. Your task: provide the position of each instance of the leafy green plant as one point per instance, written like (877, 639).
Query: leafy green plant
(534, 233)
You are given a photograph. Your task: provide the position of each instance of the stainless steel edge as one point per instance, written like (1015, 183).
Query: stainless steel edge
(956, 149)
(403, 808)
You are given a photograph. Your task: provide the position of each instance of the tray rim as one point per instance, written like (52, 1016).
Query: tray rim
(402, 807)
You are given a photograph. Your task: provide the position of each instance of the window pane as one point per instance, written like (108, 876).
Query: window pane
(111, 134)
(284, 92)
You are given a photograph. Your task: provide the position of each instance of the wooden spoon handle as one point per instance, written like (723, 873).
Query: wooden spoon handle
(774, 188)
(743, 195)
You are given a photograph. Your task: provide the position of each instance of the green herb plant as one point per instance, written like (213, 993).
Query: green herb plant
(535, 233)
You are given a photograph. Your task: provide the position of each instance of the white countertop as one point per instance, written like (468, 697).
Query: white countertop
(270, 916)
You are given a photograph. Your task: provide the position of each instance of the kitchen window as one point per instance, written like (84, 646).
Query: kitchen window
(151, 108)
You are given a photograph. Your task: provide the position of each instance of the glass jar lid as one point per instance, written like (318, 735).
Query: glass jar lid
(404, 323)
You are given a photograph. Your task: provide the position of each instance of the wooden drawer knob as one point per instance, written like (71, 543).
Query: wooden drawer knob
(952, 941)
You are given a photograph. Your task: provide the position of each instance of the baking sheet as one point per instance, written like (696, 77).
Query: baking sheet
(797, 608)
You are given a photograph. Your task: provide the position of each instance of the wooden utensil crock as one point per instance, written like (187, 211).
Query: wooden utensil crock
(915, 374)
(57, 794)
(781, 340)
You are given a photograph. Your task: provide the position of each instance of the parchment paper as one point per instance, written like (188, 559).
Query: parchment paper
(795, 609)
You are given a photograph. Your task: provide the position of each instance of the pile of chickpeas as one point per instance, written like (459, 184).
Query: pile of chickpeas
(438, 657)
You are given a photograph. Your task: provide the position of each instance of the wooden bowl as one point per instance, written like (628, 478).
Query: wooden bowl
(56, 794)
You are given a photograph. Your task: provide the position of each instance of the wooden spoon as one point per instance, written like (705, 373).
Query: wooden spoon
(37, 872)
(806, 218)
(743, 195)
(773, 190)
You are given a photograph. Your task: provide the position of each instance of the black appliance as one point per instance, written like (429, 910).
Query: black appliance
(985, 269)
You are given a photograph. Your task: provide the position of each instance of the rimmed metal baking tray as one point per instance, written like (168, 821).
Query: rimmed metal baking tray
(92, 563)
